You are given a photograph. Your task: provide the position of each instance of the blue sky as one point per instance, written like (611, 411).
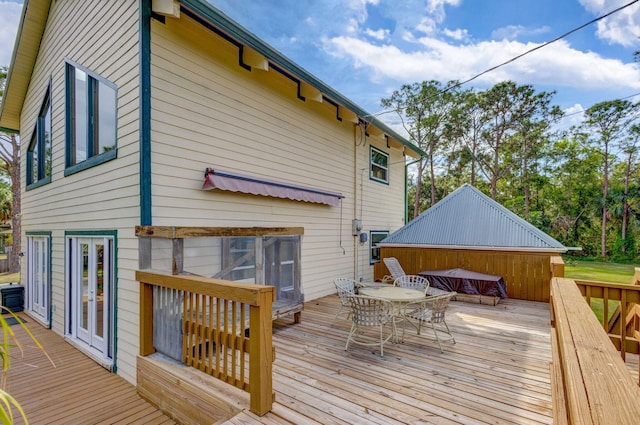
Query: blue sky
(366, 49)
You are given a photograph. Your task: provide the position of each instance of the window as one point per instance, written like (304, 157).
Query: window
(268, 260)
(379, 166)
(91, 119)
(375, 236)
(39, 151)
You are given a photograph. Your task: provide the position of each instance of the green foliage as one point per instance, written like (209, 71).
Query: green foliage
(502, 141)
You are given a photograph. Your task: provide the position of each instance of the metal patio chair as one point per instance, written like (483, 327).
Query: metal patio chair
(394, 267)
(432, 312)
(412, 281)
(345, 287)
(370, 319)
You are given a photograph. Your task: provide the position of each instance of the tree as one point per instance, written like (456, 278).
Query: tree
(510, 108)
(10, 165)
(427, 111)
(608, 124)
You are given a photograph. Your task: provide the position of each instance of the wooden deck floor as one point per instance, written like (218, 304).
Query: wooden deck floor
(77, 391)
(497, 373)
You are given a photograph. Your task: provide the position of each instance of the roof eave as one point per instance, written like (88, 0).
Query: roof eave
(25, 52)
(477, 248)
(219, 19)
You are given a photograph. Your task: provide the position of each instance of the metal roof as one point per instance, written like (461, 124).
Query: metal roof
(467, 218)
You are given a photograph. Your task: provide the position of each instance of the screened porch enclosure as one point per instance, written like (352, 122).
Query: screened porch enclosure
(262, 256)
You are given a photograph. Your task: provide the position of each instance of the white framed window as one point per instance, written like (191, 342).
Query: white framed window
(379, 169)
(38, 282)
(375, 236)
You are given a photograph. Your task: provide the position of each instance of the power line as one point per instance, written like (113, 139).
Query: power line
(584, 110)
(522, 54)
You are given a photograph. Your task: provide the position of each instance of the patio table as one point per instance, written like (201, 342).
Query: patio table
(400, 297)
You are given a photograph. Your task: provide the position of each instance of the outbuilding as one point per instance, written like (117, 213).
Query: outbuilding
(471, 231)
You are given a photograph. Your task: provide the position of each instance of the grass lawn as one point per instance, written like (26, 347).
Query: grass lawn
(9, 277)
(603, 272)
(600, 271)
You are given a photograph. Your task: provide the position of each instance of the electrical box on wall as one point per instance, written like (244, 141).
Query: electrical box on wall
(363, 238)
(357, 226)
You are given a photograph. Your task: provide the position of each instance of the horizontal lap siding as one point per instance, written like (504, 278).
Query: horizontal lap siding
(527, 276)
(210, 112)
(104, 39)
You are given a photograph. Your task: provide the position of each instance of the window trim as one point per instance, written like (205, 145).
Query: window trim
(37, 143)
(373, 260)
(371, 164)
(93, 81)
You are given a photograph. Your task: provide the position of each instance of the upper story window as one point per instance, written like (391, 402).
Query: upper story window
(379, 170)
(39, 151)
(91, 119)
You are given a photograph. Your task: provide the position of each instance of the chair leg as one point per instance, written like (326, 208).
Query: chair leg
(354, 329)
(381, 341)
(449, 332)
(435, 332)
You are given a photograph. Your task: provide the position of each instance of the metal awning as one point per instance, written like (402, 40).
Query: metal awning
(216, 179)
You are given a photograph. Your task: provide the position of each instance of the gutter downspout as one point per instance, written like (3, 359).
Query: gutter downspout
(355, 197)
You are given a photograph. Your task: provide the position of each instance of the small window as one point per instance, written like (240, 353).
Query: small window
(39, 151)
(376, 236)
(91, 119)
(379, 166)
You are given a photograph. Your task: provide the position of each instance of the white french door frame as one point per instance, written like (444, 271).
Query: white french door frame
(38, 287)
(90, 286)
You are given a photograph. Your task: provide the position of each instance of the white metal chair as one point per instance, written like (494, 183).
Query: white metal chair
(394, 267)
(346, 287)
(412, 281)
(374, 313)
(432, 311)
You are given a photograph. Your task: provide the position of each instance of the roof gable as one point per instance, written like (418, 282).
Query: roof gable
(469, 218)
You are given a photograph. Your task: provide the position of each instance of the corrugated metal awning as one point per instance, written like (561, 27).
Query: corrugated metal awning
(216, 179)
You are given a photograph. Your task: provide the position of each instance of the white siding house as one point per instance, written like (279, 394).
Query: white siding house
(121, 109)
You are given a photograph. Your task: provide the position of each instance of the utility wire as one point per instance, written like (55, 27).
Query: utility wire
(522, 54)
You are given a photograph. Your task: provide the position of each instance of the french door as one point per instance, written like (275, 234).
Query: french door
(91, 289)
(38, 276)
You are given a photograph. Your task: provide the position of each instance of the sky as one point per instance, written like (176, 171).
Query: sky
(366, 49)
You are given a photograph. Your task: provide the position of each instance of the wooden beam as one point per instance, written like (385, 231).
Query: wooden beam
(170, 8)
(347, 115)
(310, 93)
(173, 232)
(254, 59)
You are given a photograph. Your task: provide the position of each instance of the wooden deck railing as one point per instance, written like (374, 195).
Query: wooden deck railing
(619, 311)
(590, 382)
(215, 336)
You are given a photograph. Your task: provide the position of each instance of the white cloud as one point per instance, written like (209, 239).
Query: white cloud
(622, 27)
(512, 32)
(457, 35)
(557, 64)
(380, 34)
(10, 13)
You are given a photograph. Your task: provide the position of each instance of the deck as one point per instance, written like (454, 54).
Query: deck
(498, 373)
(77, 391)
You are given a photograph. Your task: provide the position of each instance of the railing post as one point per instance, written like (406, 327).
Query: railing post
(146, 319)
(261, 354)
